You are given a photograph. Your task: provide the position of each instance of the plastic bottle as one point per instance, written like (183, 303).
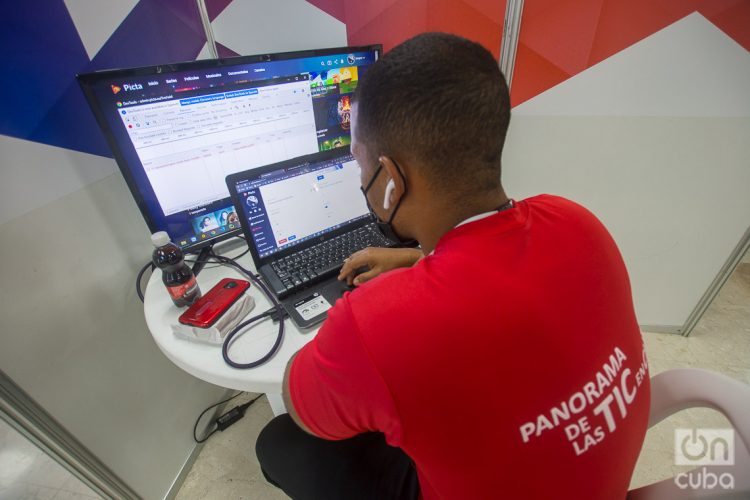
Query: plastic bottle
(176, 274)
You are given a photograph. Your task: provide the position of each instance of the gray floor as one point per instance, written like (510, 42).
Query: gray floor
(28, 473)
(227, 468)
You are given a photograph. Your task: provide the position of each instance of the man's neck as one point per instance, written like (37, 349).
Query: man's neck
(442, 218)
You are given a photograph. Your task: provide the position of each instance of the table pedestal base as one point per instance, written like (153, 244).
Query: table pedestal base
(277, 404)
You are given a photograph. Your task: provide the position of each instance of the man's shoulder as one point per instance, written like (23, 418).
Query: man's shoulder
(563, 213)
(555, 202)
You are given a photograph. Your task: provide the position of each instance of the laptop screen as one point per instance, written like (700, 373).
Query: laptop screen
(288, 206)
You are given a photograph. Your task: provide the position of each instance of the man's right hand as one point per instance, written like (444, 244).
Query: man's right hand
(377, 260)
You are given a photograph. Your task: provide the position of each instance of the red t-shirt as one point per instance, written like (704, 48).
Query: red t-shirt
(507, 363)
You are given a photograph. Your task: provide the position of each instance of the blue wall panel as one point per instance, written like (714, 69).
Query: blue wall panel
(42, 52)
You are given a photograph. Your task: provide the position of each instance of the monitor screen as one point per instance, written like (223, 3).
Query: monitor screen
(178, 130)
(284, 207)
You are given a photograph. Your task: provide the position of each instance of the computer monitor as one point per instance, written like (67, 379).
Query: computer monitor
(177, 130)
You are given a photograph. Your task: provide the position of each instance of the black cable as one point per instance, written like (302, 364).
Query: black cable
(226, 419)
(214, 254)
(235, 331)
(277, 309)
(200, 261)
(247, 250)
(195, 427)
(150, 264)
(255, 278)
(140, 277)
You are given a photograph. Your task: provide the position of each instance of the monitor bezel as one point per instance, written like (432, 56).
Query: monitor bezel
(87, 81)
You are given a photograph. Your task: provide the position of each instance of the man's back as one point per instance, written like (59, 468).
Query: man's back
(507, 362)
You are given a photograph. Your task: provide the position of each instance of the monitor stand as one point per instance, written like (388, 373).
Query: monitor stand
(202, 258)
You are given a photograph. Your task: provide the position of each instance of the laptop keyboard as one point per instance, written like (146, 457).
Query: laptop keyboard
(325, 259)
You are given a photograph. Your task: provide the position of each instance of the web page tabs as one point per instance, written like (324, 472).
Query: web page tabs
(187, 81)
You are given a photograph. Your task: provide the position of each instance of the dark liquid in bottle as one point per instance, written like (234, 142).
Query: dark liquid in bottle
(176, 275)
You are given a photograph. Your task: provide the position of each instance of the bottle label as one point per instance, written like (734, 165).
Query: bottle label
(183, 290)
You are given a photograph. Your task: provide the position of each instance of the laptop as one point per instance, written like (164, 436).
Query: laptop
(301, 219)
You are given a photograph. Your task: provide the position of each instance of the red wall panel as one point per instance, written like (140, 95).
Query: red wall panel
(390, 22)
(561, 38)
(558, 39)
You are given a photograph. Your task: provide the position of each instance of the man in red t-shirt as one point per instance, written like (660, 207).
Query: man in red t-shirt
(503, 358)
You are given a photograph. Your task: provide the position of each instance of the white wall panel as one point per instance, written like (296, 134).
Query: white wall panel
(36, 174)
(97, 20)
(204, 53)
(673, 193)
(265, 26)
(654, 140)
(690, 68)
(75, 338)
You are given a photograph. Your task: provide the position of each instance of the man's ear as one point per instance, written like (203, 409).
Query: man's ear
(395, 176)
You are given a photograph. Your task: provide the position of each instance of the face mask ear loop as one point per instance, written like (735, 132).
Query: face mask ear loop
(372, 180)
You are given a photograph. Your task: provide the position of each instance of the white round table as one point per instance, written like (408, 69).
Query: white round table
(205, 361)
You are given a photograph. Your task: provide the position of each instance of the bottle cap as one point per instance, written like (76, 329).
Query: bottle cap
(160, 239)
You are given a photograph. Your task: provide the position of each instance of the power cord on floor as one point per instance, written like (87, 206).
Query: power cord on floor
(226, 419)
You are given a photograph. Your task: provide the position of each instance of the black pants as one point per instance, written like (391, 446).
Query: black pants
(362, 467)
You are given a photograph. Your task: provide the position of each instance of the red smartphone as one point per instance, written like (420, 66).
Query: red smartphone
(211, 306)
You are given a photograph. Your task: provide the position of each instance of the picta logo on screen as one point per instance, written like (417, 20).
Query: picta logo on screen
(115, 89)
(132, 86)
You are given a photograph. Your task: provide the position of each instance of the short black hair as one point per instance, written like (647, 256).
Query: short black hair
(441, 101)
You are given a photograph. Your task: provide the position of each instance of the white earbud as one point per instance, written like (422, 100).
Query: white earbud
(388, 190)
